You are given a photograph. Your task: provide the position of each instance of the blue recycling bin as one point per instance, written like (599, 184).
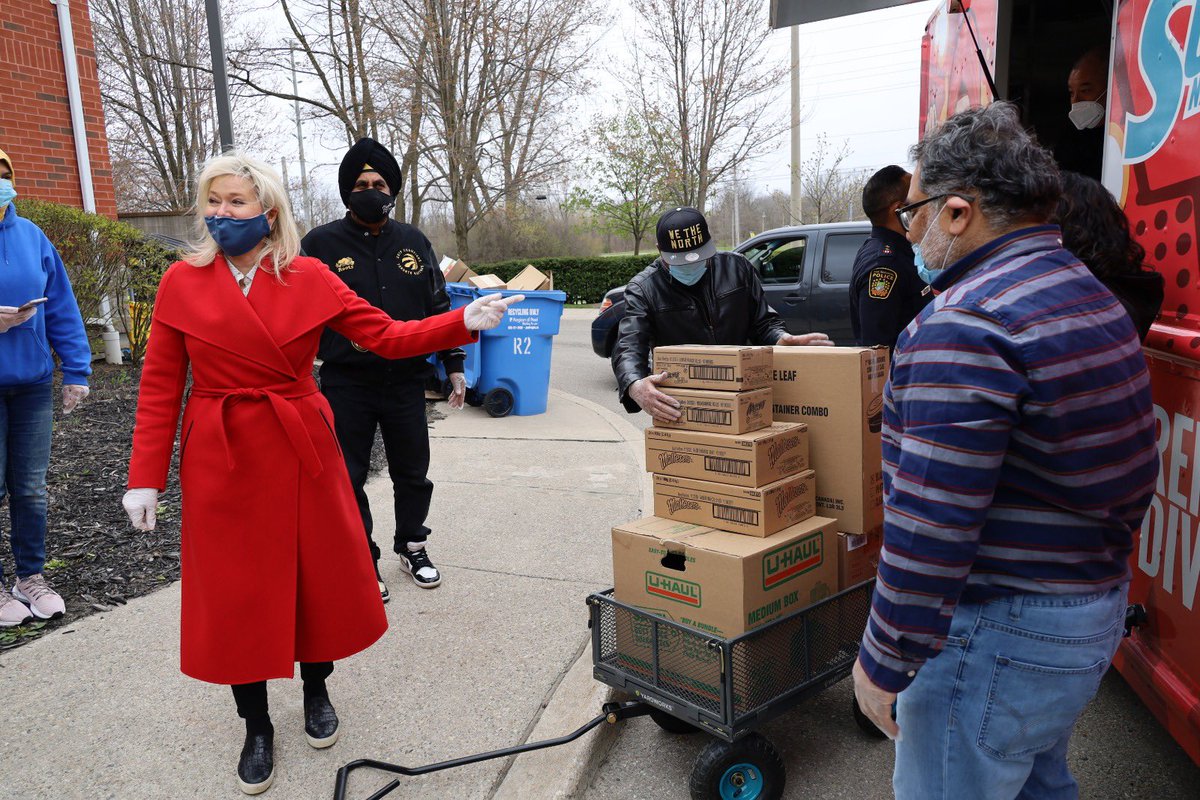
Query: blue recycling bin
(508, 369)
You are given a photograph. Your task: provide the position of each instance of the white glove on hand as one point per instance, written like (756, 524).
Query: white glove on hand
(486, 312)
(140, 505)
(459, 395)
(72, 394)
(804, 340)
(11, 317)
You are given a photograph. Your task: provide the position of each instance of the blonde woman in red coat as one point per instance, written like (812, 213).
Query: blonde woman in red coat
(274, 571)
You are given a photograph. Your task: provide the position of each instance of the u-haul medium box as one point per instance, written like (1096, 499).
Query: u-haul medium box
(747, 459)
(719, 412)
(738, 509)
(838, 393)
(730, 368)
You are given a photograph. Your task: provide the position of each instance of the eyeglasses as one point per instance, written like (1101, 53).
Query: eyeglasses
(906, 214)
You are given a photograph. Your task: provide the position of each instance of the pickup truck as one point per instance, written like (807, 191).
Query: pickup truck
(805, 271)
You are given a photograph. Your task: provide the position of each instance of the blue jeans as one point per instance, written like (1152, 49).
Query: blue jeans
(991, 715)
(26, 413)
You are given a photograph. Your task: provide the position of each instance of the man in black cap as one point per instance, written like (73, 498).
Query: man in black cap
(885, 290)
(691, 294)
(392, 266)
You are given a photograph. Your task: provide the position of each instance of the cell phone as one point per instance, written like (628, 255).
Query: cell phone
(35, 302)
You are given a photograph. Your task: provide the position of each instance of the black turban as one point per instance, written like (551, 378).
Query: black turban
(368, 156)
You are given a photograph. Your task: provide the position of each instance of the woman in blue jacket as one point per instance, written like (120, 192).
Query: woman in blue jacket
(38, 314)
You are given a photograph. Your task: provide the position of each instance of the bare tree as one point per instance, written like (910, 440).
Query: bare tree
(831, 192)
(703, 86)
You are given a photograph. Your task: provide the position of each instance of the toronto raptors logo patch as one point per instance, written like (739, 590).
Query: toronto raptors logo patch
(880, 283)
(409, 262)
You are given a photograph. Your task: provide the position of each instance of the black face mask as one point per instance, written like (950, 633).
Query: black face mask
(371, 205)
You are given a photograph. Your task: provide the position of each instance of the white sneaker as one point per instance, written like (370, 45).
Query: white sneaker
(44, 602)
(417, 564)
(12, 611)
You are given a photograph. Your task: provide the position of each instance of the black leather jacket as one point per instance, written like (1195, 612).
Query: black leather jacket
(726, 306)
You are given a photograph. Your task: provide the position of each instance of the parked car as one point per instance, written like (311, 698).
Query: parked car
(805, 271)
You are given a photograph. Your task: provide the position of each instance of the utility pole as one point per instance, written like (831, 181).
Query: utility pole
(797, 206)
(300, 141)
(737, 222)
(216, 47)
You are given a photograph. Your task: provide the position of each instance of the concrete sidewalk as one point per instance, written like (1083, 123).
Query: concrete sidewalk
(521, 518)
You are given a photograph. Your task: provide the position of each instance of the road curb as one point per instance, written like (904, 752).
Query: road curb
(559, 773)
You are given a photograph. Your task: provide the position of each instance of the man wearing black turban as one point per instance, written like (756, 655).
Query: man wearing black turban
(393, 267)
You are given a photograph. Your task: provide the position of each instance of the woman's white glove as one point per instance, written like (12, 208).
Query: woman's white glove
(11, 316)
(72, 394)
(140, 505)
(486, 312)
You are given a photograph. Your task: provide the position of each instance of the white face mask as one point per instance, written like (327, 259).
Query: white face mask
(1086, 114)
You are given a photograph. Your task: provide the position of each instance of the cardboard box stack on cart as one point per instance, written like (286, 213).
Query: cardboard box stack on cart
(734, 542)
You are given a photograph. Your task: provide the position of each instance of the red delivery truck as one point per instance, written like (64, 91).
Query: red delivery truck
(1023, 50)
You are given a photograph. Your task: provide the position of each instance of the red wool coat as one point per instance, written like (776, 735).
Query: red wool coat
(275, 566)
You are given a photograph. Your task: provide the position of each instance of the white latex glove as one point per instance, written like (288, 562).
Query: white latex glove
(459, 395)
(486, 312)
(645, 393)
(73, 393)
(876, 703)
(10, 317)
(140, 505)
(804, 340)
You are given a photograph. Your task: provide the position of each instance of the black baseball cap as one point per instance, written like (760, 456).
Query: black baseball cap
(683, 237)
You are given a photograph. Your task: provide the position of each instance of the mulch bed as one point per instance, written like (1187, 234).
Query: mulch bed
(94, 557)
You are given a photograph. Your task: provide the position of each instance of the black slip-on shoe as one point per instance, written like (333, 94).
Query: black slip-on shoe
(320, 722)
(256, 767)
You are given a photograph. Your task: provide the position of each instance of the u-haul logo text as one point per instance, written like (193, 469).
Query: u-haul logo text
(676, 589)
(1169, 547)
(791, 561)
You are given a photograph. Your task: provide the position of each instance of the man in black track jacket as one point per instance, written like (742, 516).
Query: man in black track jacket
(392, 266)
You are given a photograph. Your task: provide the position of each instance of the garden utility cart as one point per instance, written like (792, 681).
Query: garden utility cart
(689, 681)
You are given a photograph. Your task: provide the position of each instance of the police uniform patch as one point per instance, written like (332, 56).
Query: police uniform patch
(344, 264)
(887, 250)
(409, 262)
(880, 283)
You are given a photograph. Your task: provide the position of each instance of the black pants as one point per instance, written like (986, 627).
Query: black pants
(251, 698)
(399, 411)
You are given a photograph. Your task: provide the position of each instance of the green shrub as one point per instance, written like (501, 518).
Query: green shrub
(585, 280)
(103, 257)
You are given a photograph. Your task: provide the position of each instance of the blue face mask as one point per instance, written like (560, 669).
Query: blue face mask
(236, 237)
(688, 274)
(925, 272)
(7, 192)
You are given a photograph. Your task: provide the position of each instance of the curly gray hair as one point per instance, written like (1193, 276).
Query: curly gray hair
(987, 153)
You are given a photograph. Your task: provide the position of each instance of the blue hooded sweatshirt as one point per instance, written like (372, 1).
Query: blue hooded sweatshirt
(30, 267)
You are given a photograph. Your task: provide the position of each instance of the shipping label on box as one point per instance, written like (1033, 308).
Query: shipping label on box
(730, 368)
(858, 556)
(838, 393)
(737, 509)
(720, 412)
(721, 583)
(748, 459)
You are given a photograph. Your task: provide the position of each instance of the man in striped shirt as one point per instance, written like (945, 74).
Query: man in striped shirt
(1019, 457)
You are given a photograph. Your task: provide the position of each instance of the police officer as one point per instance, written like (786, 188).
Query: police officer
(885, 291)
(393, 267)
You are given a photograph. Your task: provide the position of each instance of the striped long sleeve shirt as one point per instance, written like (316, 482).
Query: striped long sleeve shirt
(1018, 446)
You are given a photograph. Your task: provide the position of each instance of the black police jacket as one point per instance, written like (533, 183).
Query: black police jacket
(726, 306)
(885, 289)
(395, 271)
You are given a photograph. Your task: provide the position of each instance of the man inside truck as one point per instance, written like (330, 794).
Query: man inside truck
(1019, 458)
(1080, 147)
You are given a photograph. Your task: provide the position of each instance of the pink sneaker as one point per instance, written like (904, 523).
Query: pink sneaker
(44, 602)
(12, 611)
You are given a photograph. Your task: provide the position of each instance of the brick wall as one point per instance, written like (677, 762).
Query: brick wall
(35, 117)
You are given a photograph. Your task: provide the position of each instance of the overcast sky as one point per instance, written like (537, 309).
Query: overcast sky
(860, 78)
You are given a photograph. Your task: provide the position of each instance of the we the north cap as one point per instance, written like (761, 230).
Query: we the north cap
(683, 237)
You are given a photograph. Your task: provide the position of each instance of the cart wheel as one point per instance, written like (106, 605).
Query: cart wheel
(498, 402)
(672, 724)
(474, 398)
(748, 769)
(864, 722)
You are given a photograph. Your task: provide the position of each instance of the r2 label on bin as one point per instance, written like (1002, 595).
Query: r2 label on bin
(523, 345)
(522, 319)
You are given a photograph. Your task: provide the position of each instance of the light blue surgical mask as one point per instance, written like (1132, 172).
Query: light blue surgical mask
(925, 272)
(7, 192)
(689, 274)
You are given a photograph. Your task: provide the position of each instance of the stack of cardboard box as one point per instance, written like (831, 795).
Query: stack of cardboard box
(734, 542)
